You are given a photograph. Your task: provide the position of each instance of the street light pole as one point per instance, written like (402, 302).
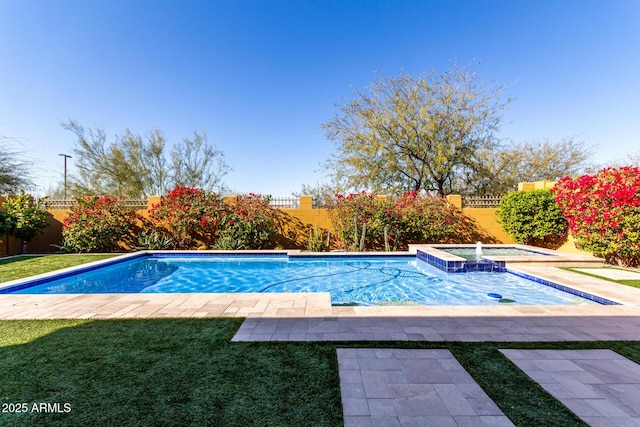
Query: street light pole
(66, 156)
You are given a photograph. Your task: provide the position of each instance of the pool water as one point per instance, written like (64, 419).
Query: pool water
(349, 280)
(470, 253)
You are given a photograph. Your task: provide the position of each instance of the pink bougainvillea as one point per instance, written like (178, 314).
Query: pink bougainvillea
(194, 217)
(410, 218)
(98, 224)
(603, 212)
(189, 215)
(248, 223)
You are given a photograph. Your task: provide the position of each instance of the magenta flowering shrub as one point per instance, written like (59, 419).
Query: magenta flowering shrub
(350, 213)
(428, 219)
(410, 218)
(190, 216)
(603, 212)
(195, 218)
(248, 222)
(98, 224)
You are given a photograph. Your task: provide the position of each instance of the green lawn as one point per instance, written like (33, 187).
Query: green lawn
(29, 265)
(176, 372)
(632, 283)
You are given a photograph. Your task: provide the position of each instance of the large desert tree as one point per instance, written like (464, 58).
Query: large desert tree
(133, 166)
(414, 133)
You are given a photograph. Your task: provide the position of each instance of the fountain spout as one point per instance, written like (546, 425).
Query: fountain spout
(479, 248)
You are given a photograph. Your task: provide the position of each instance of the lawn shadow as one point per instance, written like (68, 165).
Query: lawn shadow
(17, 258)
(163, 372)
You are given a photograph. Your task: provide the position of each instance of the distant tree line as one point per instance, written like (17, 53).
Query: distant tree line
(436, 133)
(135, 166)
(14, 169)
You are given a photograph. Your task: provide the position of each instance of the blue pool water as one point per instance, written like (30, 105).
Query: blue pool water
(470, 253)
(349, 280)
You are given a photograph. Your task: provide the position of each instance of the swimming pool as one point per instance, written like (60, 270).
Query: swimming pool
(350, 280)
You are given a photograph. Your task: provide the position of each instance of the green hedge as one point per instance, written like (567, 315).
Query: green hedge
(532, 218)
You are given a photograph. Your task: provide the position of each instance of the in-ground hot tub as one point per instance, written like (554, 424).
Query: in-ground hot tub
(460, 258)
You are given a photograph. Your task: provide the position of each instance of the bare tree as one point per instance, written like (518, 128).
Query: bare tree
(195, 163)
(14, 168)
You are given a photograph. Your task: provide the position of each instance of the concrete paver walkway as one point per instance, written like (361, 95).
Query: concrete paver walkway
(438, 327)
(600, 386)
(397, 387)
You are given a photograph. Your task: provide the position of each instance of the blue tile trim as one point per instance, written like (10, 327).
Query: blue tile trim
(351, 255)
(567, 289)
(209, 254)
(79, 270)
(461, 266)
(501, 267)
(485, 265)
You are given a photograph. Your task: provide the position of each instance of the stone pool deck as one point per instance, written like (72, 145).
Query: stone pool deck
(401, 387)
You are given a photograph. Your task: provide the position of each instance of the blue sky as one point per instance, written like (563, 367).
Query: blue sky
(260, 77)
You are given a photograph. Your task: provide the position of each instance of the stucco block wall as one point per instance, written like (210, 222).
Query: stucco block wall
(486, 219)
(293, 225)
(538, 185)
(296, 223)
(52, 235)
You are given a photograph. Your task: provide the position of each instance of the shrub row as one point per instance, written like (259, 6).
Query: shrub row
(185, 218)
(532, 218)
(190, 218)
(366, 221)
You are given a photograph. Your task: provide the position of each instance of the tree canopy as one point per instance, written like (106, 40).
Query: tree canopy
(498, 170)
(414, 133)
(133, 166)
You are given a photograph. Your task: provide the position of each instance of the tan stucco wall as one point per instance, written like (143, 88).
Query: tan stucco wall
(294, 225)
(486, 219)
